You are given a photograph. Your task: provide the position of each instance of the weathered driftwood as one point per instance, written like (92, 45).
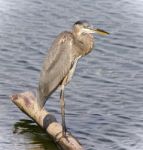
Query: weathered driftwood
(27, 103)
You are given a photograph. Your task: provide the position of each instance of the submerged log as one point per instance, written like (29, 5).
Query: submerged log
(27, 103)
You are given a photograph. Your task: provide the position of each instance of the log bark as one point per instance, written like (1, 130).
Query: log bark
(27, 103)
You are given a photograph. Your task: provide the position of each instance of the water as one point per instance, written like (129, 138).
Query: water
(104, 106)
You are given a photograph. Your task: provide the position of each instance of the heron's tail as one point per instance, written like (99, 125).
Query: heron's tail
(40, 99)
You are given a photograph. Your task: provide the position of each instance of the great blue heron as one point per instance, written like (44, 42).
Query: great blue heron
(60, 63)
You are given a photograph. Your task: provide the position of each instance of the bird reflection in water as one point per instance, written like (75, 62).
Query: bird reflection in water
(36, 136)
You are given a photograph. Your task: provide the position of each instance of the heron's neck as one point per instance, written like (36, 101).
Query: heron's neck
(85, 42)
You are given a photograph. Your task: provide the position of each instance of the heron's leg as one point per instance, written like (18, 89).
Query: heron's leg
(62, 103)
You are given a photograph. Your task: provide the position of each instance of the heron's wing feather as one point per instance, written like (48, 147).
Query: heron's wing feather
(56, 64)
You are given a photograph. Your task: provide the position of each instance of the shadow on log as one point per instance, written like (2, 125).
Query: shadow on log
(27, 103)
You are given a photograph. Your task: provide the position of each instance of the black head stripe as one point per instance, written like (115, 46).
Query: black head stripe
(81, 22)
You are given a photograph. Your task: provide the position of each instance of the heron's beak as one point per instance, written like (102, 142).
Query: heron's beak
(101, 32)
(92, 30)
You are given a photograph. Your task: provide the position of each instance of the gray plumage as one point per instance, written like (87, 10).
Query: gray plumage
(65, 49)
(60, 62)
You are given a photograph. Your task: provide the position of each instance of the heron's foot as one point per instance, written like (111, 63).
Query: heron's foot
(65, 134)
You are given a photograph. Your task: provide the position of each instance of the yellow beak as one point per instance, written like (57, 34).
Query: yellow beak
(95, 30)
(101, 32)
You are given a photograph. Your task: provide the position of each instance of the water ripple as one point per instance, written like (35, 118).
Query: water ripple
(104, 99)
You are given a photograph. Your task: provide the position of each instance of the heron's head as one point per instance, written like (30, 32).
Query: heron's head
(83, 27)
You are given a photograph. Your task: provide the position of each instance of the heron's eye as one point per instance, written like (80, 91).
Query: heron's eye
(85, 25)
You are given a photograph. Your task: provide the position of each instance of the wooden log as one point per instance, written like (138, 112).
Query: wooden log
(27, 103)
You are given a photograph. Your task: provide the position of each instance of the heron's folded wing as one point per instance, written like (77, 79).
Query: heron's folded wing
(57, 63)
